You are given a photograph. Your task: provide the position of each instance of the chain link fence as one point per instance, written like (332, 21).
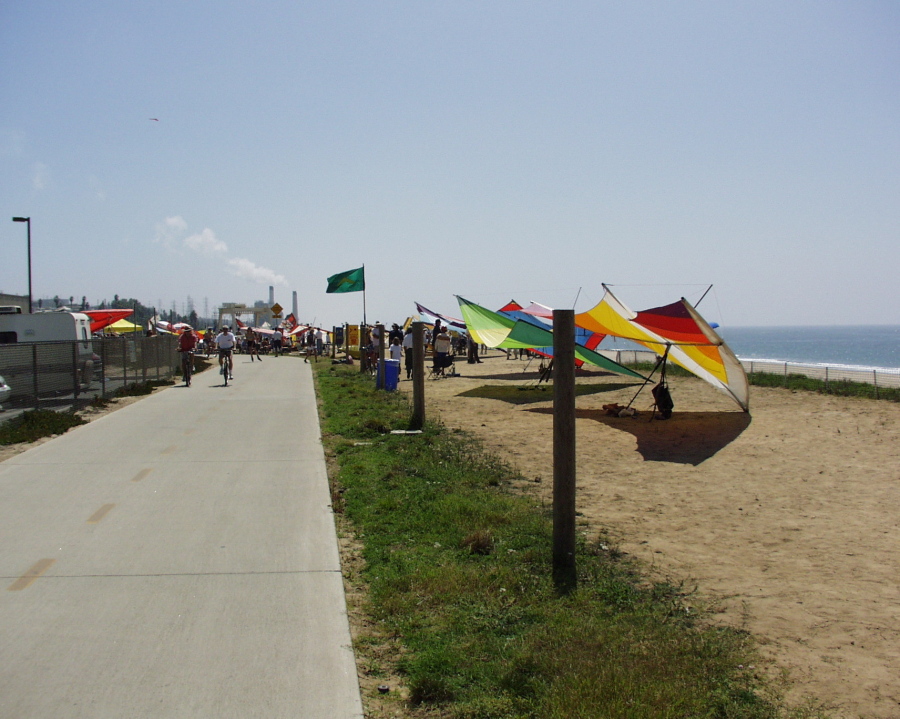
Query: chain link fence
(64, 375)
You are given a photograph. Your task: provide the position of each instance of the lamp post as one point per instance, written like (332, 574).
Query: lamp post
(28, 220)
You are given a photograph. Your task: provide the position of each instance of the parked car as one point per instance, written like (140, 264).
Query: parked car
(5, 392)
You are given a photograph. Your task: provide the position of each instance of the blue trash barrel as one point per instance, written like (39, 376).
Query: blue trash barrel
(391, 374)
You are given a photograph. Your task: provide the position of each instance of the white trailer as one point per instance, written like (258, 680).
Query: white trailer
(57, 344)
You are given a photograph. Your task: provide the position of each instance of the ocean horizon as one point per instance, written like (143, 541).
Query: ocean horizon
(861, 347)
(858, 347)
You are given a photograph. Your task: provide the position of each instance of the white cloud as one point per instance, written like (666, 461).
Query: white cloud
(251, 271)
(168, 231)
(40, 176)
(206, 243)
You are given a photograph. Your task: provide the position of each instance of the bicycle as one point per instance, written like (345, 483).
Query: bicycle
(224, 357)
(187, 366)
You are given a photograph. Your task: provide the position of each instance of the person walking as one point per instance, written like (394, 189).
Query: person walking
(277, 338)
(408, 352)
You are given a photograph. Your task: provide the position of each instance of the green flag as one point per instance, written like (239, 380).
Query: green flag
(349, 281)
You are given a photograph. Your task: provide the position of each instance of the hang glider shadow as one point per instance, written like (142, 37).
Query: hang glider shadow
(518, 394)
(686, 438)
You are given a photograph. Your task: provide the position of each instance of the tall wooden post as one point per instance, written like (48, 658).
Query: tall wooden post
(418, 376)
(564, 570)
(363, 343)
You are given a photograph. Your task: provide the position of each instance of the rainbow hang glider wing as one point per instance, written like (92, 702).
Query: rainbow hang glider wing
(496, 330)
(691, 342)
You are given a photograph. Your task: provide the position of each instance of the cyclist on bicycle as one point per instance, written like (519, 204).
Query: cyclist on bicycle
(225, 342)
(187, 343)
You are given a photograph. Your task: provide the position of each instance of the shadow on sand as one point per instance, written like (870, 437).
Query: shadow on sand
(536, 393)
(686, 438)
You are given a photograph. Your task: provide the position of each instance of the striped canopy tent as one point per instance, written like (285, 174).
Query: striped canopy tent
(679, 329)
(493, 329)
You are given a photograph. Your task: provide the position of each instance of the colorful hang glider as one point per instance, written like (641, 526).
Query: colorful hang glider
(678, 327)
(104, 318)
(496, 330)
(430, 317)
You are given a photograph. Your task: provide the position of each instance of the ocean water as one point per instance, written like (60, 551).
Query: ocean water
(861, 347)
(865, 347)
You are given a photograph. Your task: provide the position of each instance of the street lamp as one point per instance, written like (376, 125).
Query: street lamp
(28, 220)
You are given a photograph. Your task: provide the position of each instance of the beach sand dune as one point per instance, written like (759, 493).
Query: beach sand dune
(785, 520)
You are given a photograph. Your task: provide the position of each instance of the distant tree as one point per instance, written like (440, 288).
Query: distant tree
(193, 319)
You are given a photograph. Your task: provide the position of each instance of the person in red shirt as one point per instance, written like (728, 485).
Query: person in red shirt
(187, 343)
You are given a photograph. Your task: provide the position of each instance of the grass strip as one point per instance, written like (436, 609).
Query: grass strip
(37, 423)
(840, 388)
(458, 565)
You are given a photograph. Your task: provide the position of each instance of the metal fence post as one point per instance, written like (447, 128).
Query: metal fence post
(34, 373)
(103, 368)
(75, 386)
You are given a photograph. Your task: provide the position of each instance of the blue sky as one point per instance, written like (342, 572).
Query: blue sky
(495, 150)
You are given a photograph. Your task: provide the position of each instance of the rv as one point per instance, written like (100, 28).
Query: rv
(57, 344)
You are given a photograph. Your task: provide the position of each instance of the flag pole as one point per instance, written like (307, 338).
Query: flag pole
(364, 295)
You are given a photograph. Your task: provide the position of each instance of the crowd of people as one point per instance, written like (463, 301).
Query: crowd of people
(444, 345)
(256, 342)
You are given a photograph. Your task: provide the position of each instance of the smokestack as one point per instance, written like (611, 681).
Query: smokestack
(271, 295)
(294, 305)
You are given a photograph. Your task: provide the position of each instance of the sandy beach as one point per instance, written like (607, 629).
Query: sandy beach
(785, 520)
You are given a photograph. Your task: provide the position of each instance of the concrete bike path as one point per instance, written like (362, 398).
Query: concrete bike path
(178, 558)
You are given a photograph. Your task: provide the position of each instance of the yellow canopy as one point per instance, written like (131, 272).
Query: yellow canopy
(123, 326)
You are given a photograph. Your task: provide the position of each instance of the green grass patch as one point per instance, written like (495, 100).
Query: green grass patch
(139, 389)
(37, 423)
(458, 566)
(840, 388)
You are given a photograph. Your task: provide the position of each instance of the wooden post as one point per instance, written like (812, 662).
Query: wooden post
(363, 342)
(564, 570)
(418, 376)
(379, 380)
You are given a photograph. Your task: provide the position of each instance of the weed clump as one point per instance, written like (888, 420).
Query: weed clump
(35, 424)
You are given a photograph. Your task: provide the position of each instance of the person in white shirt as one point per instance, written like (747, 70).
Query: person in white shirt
(225, 342)
(277, 337)
(396, 349)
